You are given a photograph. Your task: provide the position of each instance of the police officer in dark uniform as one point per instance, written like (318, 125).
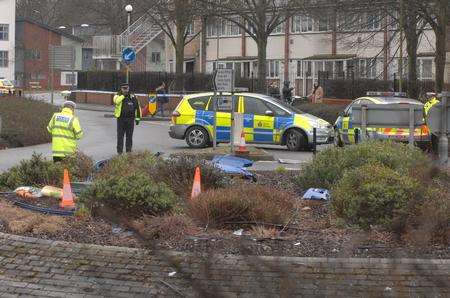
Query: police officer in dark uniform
(128, 112)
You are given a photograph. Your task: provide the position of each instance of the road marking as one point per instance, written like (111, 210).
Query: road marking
(159, 123)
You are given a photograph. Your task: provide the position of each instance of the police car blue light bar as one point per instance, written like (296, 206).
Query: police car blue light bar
(387, 94)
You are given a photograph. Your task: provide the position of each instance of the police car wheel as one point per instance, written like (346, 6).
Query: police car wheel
(197, 137)
(295, 140)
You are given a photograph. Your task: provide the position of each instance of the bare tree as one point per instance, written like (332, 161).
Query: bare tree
(43, 11)
(258, 19)
(436, 14)
(175, 17)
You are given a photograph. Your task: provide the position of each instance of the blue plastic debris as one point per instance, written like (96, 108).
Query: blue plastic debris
(317, 194)
(234, 165)
(232, 160)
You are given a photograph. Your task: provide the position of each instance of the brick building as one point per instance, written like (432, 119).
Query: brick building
(33, 41)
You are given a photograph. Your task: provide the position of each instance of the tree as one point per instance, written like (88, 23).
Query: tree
(175, 17)
(258, 18)
(436, 14)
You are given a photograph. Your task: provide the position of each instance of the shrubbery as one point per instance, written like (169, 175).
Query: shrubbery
(329, 165)
(135, 193)
(19, 128)
(251, 203)
(375, 195)
(178, 173)
(327, 112)
(129, 163)
(38, 171)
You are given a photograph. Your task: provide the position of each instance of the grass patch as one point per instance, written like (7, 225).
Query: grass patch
(25, 121)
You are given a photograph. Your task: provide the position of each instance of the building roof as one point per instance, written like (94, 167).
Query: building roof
(426, 54)
(330, 57)
(239, 58)
(70, 36)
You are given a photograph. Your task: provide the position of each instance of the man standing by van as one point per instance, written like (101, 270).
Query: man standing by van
(128, 113)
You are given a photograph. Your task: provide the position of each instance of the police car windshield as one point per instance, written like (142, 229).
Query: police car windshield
(282, 104)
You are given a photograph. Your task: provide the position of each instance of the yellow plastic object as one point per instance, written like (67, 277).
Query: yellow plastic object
(152, 104)
(51, 191)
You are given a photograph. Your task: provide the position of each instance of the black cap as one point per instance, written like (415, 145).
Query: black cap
(124, 85)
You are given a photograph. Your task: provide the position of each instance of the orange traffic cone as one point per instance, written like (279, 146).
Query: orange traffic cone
(196, 187)
(67, 195)
(242, 149)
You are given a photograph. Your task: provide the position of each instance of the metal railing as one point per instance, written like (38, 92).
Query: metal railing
(140, 33)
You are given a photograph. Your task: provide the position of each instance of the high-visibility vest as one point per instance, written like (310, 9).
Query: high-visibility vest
(65, 130)
(428, 105)
(118, 101)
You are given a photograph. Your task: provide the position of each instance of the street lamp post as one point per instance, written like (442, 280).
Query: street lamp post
(129, 10)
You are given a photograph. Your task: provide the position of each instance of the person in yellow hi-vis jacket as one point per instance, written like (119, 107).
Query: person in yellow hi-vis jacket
(128, 112)
(65, 130)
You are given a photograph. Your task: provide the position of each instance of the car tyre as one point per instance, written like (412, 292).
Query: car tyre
(337, 139)
(295, 140)
(197, 137)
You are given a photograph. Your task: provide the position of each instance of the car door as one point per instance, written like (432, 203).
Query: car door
(223, 116)
(347, 132)
(282, 120)
(258, 125)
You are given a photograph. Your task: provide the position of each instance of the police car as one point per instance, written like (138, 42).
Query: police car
(266, 121)
(344, 130)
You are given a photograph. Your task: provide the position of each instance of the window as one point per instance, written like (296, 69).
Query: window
(156, 57)
(367, 68)
(372, 21)
(33, 54)
(273, 68)
(3, 58)
(224, 103)
(70, 79)
(426, 71)
(190, 29)
(199, 103)
(254, 106)
(279, 29)
(224, 27)
(299, 69)
(324, 23)
(301, 24)
(308, 69)
(277, 110)
(4, 32)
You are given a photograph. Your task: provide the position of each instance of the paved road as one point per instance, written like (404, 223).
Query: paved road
(45, 268)
(100, 138)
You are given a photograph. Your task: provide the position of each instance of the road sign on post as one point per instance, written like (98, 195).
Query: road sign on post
(128, 55)
(223, 81)
(60, 58)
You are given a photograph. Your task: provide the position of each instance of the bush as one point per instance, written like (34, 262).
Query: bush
(135, 193)
(376, 195)
(329, 165)
(128, 163)
(324, 111)
(431, 224)
(19, 128)
(178, 173)
(250, 203)
(37, 171)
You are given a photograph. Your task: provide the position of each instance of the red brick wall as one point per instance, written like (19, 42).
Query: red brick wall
(38, 38)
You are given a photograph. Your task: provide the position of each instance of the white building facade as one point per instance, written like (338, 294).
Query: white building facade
(7, 38)
(302, 47)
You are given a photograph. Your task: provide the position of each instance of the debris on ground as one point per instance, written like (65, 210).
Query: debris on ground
(29, 193)
(319, 194)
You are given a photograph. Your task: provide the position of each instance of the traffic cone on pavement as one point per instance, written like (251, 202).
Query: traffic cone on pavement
(242, 149)
(67, 201)
(196, 187)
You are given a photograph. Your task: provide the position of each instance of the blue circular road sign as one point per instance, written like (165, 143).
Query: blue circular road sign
(129, 55)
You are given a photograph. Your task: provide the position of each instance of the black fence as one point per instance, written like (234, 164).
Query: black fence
(346, 85)
(143, 82)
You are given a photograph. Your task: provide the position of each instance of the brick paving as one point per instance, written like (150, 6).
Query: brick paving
(45, 268)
